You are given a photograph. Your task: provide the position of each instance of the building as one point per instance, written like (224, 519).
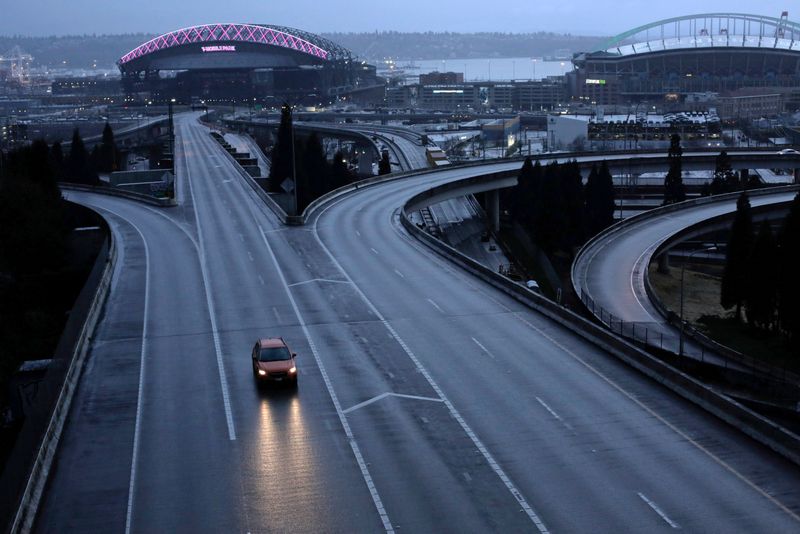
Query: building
(441, 78)
(245, 63)
(747, 104)
(502, 132)
(539, 95)
(668, 59)
(566, 132)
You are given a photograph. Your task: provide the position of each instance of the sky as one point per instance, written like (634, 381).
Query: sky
(583, 17)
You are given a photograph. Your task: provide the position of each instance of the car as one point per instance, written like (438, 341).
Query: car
(274, 362)
(787, 151)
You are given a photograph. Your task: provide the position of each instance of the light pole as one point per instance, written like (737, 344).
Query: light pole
(712, 248)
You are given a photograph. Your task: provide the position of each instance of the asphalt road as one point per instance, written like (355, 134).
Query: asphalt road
(428, 401)
(612, 271)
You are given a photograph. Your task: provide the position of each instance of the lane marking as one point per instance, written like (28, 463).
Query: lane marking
(722, 463)
(398, 273)
(549, 409)
(140, 394)
(510, 486)
(223, 380)
(250, 255)
(241, 238)
(277, 315)
(358, 233)
(313, 280)
(660, 513)
(484, 349)
(466, 476)
(261, 280)
(384, 395)
(374, 251)
(435, 305)
(362, 464)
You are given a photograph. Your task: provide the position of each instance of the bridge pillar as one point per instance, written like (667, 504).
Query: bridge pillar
(797, 176)
(493, 209)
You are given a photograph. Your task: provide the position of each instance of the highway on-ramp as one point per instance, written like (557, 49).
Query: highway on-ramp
(428, 401)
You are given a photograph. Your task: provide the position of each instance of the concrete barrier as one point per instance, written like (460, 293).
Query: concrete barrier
(761, 429)
(132, 195)
(34, 488)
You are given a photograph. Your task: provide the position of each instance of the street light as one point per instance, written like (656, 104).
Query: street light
(712, 248)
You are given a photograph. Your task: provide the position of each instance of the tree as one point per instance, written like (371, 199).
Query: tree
(107, 153)
(78, 168)
(762, 288)
(734, 277)
(340, 175)
(599, 200)
(674, 190)
(384, 166)
(571, 185)
(724, 178)
(282, 164)
(56, 157)
(788, 280)
(312, 172)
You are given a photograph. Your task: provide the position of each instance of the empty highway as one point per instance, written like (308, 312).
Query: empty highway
(428, 401)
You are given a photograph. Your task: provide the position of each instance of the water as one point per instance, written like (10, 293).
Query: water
(494, 69)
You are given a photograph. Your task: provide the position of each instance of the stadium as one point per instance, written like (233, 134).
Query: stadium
(239, 63)
(707, 53)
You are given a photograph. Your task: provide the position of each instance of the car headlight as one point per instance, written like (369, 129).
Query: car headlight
(262, 372)
(293, 370)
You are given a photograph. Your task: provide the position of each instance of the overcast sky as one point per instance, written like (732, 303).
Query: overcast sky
(587, 17)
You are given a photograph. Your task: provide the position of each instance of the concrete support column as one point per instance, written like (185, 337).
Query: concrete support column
(797, 176)
(663, 262)
(493, 209)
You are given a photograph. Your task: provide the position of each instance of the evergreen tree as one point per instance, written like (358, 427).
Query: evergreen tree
(108, 154)
(78, 168)
(520, 197)
(674, 190)
(599, 200)
(788, 279)
(384, 166)
(724, 178)
(282, 160)
(571, 184)
(56, 158)
(340, 175)
(734, 277)
(762, 278)
(315, 167)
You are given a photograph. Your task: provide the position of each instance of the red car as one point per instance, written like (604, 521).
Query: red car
(273, 361)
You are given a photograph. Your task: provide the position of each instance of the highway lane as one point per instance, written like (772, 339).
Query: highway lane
(612, 271)
(589, 443)
(424, 394)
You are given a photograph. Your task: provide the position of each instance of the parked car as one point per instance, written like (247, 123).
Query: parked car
(273, 361)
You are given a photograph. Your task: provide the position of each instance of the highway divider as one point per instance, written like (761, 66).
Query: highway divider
(95, 296)
(777, 438)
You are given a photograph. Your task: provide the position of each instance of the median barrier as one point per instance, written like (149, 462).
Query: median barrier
(761, 429)
(37, 478)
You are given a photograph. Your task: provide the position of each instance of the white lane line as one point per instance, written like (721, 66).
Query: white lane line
(466, 476)
(435, 305)
(509, 484)
(484, 349)
(313, 280)
(633, 289)
(358, 233)
(549, 409)
(261, 280)
(398, 273)
(250, 255)
(241, 238)
(678, 431)
(212, 314)
(660, 513)
(140, 395)
(375, 251)
(362, 464)
(384, 395)
(277, 315)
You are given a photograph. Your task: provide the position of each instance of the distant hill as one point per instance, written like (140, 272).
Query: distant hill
(84, 51)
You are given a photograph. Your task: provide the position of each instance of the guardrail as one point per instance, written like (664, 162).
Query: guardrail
(777, 438)
(76, 339)
(111, 191)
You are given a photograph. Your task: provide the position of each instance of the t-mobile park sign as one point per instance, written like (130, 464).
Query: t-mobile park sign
(219, 48)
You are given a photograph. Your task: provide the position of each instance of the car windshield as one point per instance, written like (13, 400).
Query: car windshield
(274, 354)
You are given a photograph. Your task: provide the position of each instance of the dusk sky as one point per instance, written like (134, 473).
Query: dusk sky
(59, 17)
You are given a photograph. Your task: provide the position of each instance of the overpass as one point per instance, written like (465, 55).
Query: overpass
(428, 400)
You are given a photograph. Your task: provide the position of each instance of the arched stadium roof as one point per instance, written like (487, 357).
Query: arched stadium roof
(280, 36)
(706, 30)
